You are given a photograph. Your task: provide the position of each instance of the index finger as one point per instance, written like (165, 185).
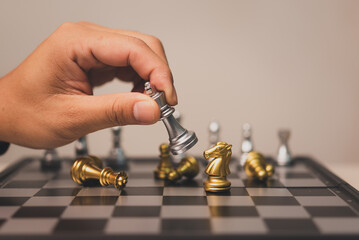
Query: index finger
(120, 50)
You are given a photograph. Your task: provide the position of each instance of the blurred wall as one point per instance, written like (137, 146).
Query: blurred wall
(274, 64)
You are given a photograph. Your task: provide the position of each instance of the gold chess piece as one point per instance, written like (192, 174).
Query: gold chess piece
(188, 167)
(218, 168)
(256, 167)
(90, 167)
(165, 165)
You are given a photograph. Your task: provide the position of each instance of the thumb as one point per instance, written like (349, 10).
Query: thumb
(103, 111)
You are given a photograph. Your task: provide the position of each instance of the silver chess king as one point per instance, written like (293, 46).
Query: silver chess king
(180, 139)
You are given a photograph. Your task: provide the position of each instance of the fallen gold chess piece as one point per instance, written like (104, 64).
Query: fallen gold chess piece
(90, 167)
(257, 168)
(188, 167)
(218, 168)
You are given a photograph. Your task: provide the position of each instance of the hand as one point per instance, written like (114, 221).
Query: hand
(48, 101)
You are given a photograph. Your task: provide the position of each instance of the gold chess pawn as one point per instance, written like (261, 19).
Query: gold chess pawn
(188, 167)
(218, 168)
(256, 167)
(165, 165)
(90, 167)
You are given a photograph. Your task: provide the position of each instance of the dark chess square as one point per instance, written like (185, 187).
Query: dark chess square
(39, 212)
(142, 191)
(233, 211)
(13, 201)
(136, 211)
(58, 192)
(80, 225)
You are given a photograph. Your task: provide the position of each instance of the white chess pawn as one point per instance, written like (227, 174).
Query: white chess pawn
(51, 160)
(284, 156)
(247, 143)
(81, 148)
(117, 157)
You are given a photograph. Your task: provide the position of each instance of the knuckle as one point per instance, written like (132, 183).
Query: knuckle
(139, 42)
(67, 26)
(114, 113)
(154, 40)
(69, 127)
(84, 23)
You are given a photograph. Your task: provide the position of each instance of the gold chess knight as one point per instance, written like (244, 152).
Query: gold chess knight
(257, 168)
(218, 168)
(90, 167)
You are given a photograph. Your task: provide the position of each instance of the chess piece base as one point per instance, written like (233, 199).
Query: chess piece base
(161, 174)
(89, 168)
(53, 165)
(217, 184)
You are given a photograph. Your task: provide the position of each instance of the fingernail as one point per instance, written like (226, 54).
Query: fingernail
(144, 112)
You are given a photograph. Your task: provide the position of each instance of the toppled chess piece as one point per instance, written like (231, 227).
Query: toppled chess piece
(284, 156)
(188, 167)
(247, 143)
(50, 161)
(165, 165)
(90, 167)
(117, 159)
(81, 148)
(257, 168)
(218, 168)
(180, 139)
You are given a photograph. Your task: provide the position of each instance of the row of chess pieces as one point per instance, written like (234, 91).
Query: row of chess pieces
(218, 157)
(118, 160)
(88, 168)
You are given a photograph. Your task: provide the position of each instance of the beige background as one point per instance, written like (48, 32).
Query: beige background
(292, 64)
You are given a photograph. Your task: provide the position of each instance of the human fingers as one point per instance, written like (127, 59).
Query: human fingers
(92, 48)
(153, 42)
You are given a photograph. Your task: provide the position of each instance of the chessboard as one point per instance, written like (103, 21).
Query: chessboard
(301, 201)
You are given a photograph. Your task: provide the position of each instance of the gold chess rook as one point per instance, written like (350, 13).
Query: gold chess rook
(256, 167)
(218, 168)
(165, 165)
(188, 167)
(90, 167)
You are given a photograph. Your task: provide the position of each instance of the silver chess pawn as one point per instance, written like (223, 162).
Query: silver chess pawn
(117, 157)
(180, 139)
(284, 156)
(81, 148)
(247, 143)
(50, 160)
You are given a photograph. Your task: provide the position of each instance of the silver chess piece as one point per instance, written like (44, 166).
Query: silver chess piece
(117, 157)
(213, 129)
(81, 148)
(284, 156)
(176, 159)
(247, 143)
(50, 160)
(181, 139)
